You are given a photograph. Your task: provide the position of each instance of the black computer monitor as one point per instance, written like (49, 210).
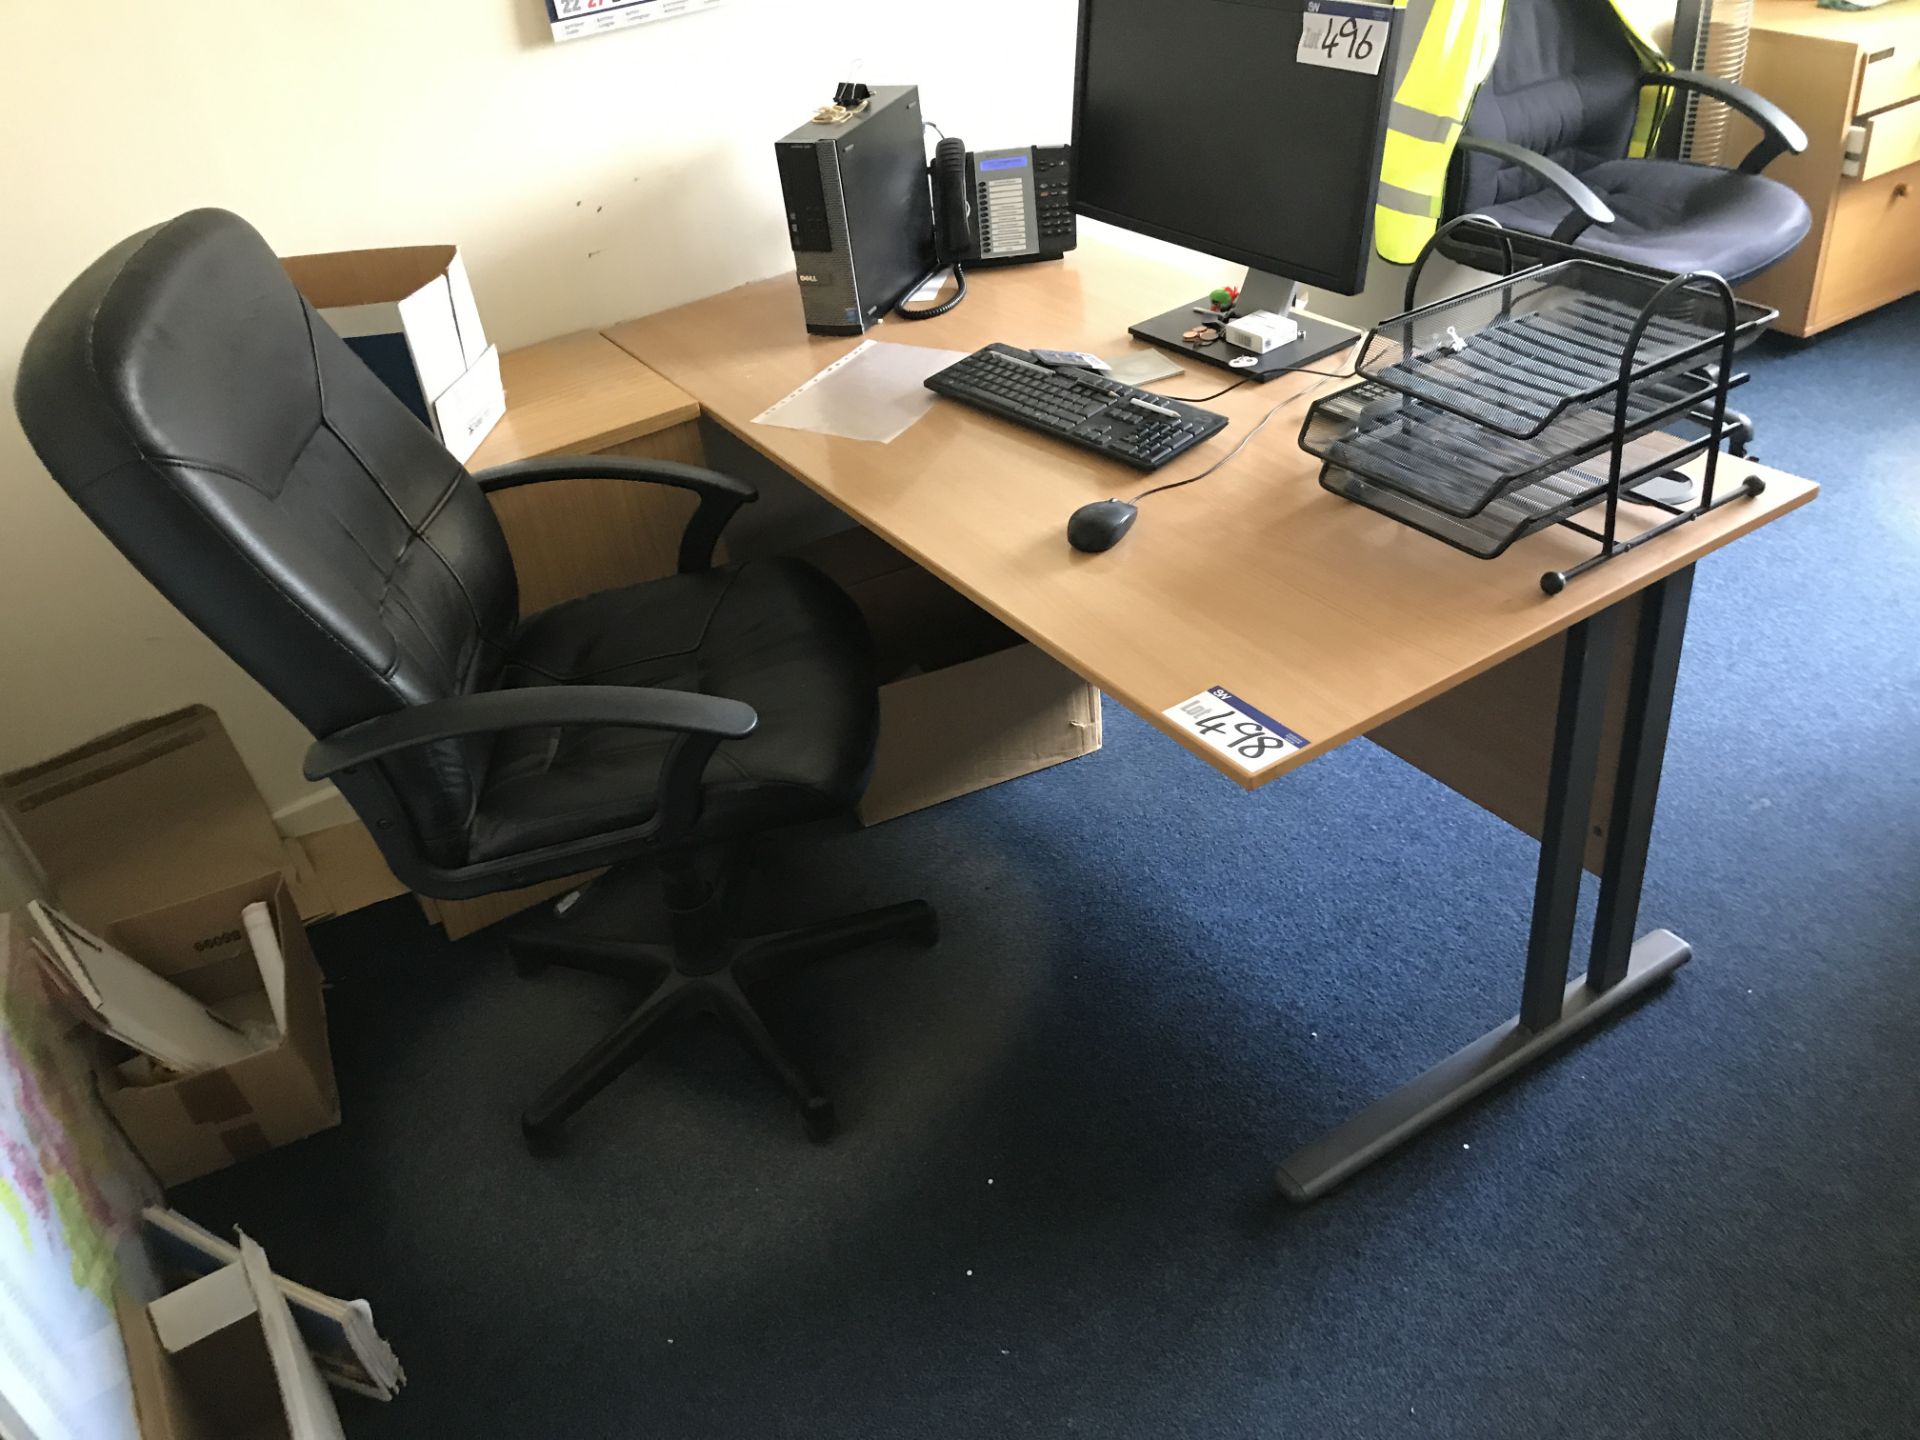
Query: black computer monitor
(1194, 122)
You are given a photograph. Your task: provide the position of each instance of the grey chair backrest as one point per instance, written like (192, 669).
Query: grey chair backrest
(1563, 84)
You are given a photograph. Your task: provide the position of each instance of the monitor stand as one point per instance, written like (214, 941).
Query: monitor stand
(1318, 338)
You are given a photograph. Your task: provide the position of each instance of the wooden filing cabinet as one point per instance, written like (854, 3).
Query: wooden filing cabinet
(1852, 80)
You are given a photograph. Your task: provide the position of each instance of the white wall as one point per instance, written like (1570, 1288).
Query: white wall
(586, 183)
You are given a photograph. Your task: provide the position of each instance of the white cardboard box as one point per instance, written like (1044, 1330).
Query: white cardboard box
(409, 312)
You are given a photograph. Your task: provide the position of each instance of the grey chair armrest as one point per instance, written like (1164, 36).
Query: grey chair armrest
(684, 712)
(720, 495)
(1588, 207)
(1779, 135)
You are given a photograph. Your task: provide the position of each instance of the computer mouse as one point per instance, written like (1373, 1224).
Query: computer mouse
(1101, 525)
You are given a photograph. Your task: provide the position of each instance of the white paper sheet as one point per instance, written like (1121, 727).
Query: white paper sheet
(873, 392)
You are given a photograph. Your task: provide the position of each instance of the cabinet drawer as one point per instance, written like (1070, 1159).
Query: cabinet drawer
(1883, 142)
(1891, 76)
(1872, 254)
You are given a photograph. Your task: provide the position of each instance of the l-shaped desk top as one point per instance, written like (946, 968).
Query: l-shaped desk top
(1329, 618)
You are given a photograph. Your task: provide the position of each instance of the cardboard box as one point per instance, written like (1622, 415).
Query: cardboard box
(964, 702)
(461, 918)
(147, 816)
(155, 838)
(409, 312)
(200, 1123)
(223, 1359)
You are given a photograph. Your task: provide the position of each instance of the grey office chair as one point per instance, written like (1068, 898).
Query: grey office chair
(1544, 153)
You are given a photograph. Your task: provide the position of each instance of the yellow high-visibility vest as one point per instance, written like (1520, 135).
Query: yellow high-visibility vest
(1455, 52)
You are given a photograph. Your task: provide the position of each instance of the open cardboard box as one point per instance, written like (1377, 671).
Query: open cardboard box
(197, 1124)
(408, 311)
(223, 1359)
(155, 838)
(964, 702)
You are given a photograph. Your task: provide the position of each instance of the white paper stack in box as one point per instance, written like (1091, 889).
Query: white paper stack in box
(409, 313)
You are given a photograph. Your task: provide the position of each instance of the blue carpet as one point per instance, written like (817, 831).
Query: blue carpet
(1051, 1212)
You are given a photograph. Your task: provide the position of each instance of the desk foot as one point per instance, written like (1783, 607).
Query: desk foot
(1386, 1124)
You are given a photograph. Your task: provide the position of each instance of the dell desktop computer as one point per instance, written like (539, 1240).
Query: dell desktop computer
(859, 211)
(1222, 125)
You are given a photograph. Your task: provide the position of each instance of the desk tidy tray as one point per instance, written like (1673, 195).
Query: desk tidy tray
(1489, 416)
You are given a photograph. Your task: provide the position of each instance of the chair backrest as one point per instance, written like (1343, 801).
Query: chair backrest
(248, 464)
(1563, 84)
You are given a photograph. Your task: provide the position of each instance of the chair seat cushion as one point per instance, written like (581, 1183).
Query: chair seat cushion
(776, 634)
(1675, 215)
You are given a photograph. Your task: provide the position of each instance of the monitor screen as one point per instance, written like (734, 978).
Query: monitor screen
(1195, 123)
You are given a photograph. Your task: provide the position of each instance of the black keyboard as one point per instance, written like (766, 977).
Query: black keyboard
(1135, 426)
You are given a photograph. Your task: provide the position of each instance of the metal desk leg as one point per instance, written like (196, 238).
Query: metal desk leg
(1552, 1011)
(1643, 749)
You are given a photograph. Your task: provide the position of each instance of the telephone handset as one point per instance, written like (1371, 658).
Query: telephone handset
(997, 207)
(953, 235)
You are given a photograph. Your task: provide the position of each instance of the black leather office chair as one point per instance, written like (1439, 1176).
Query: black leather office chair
(1544, 152)
(236, 451)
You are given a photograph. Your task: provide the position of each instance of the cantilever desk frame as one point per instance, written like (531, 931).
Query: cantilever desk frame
(1368, 626)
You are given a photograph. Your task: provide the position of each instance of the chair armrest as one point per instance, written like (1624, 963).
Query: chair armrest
(1573, 190)
(720, 495)
(682, 711)
(1779, 135)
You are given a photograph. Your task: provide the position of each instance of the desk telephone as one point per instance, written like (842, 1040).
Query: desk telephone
(871, 221)
(997, 207)
(1002, 207)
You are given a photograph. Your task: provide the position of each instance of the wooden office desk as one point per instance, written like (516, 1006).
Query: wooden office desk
(1336, 621)
(1326, 616)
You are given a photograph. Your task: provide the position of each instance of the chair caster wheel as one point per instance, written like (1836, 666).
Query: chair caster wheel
(543, 1138)
(817, 1119)
(927, 931)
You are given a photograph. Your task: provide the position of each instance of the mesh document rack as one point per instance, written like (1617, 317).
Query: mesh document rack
(1489, 416)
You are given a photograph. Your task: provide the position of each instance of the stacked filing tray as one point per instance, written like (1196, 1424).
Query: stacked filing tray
(1492, 415)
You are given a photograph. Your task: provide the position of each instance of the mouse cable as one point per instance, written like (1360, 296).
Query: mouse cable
(1346, 374)
(1247, 439)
